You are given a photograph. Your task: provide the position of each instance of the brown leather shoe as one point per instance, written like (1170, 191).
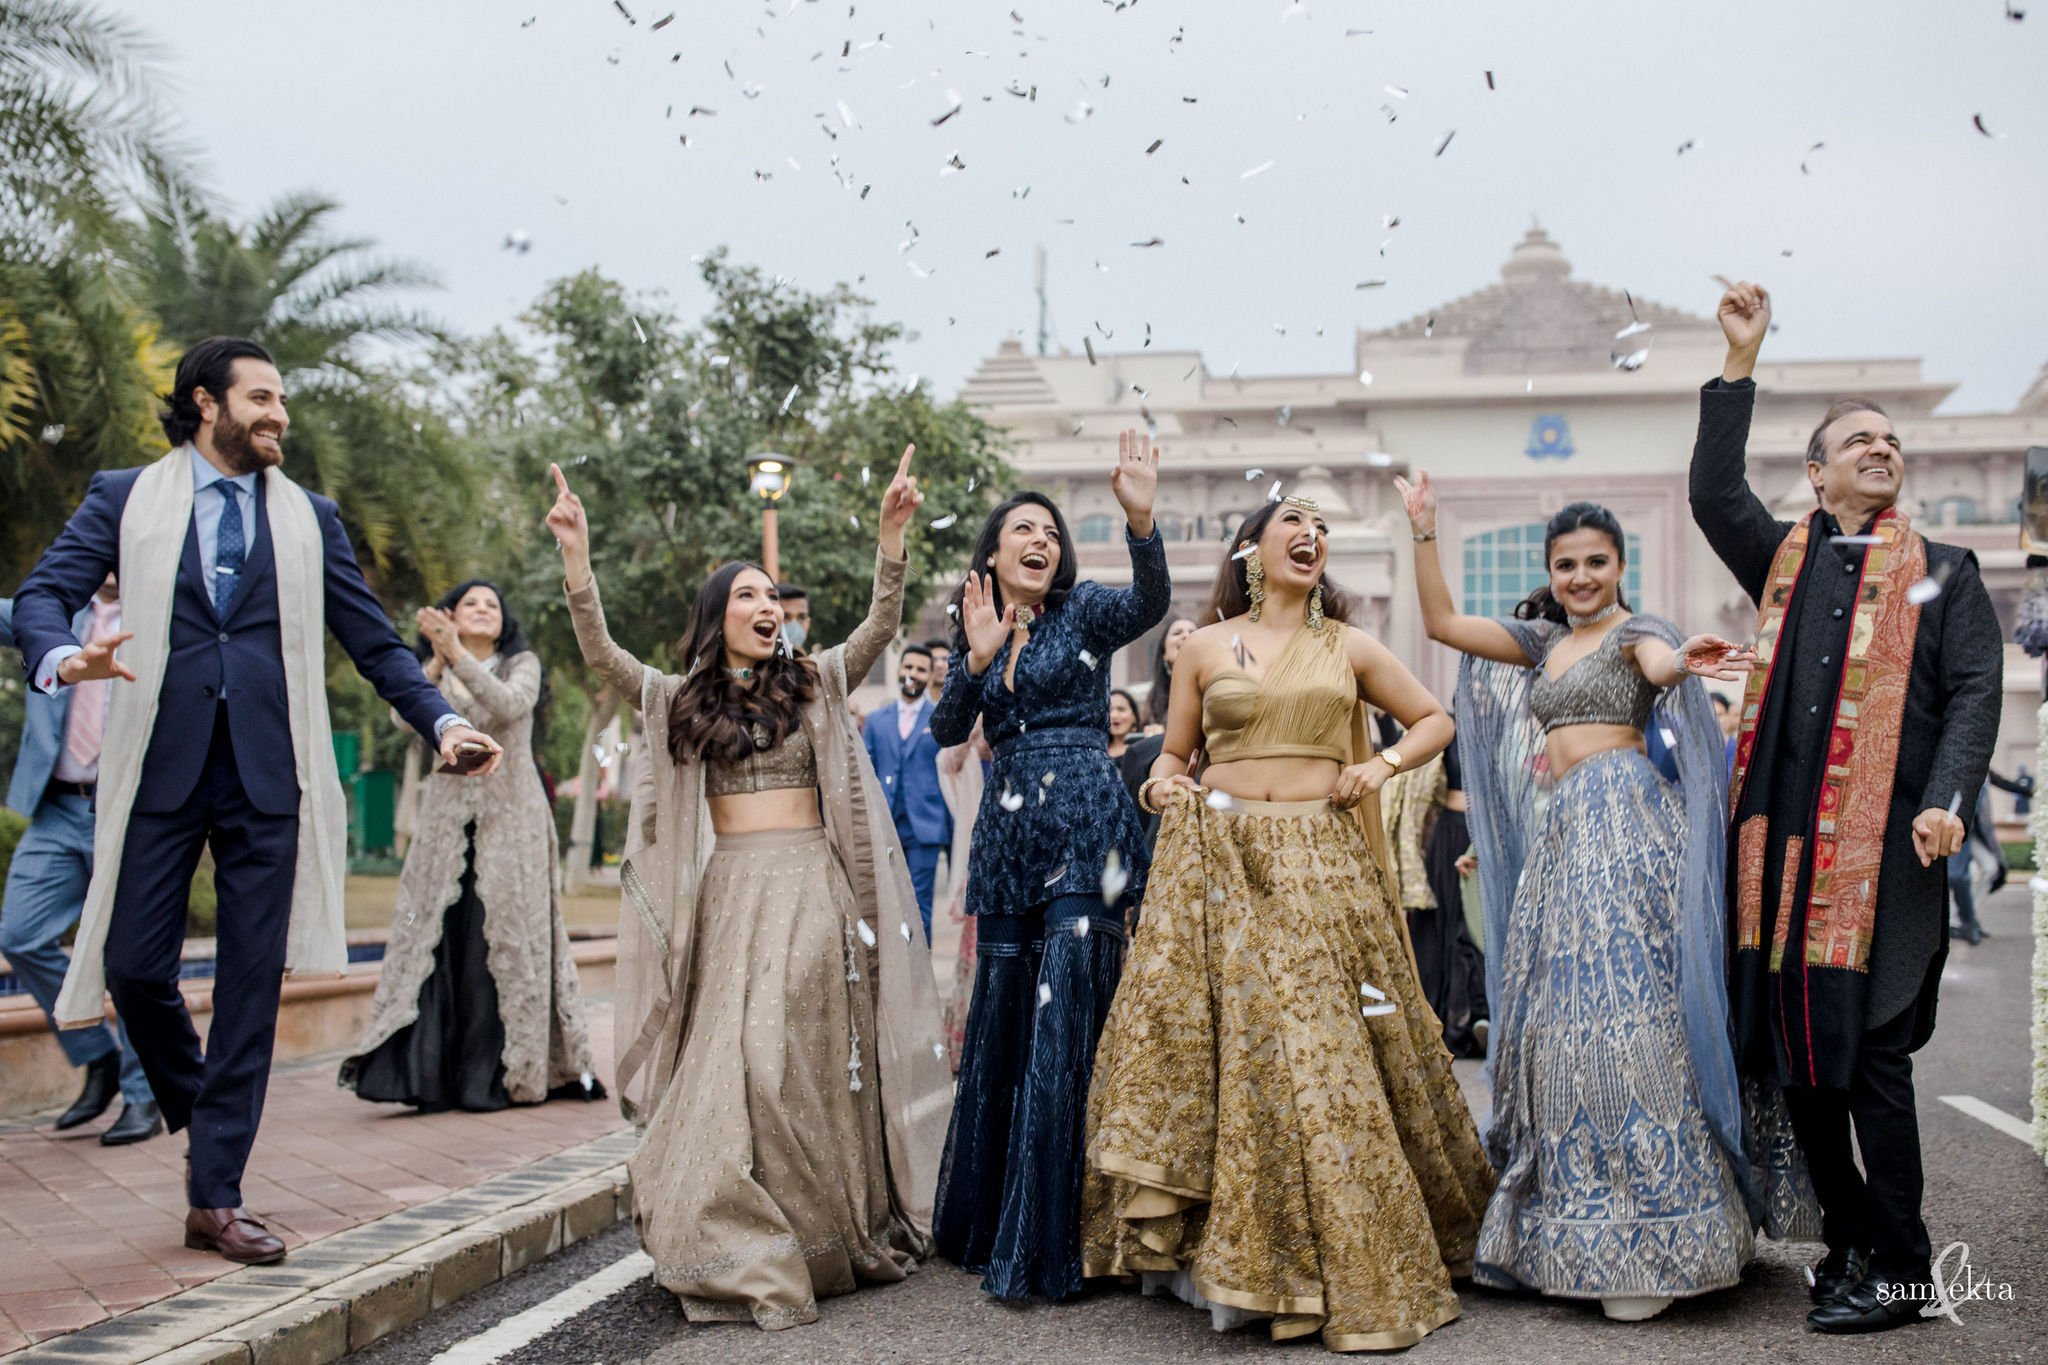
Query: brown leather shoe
(234, 1233)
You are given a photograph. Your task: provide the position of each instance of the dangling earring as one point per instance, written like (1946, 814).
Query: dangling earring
(1315, 607)
(1255, 583)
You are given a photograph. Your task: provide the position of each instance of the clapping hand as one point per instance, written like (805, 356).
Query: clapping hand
(1136, 480)
(900, 501)
(438, 628)
(986, 630)
(571, 530)
(1418, 500)
(1710, 656)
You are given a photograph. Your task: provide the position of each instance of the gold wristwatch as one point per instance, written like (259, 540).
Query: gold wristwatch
(1393, 758)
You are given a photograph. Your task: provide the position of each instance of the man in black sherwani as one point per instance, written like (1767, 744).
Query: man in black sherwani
(1867, 728)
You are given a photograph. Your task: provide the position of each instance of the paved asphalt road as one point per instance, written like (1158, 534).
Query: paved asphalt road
(1984, 1187)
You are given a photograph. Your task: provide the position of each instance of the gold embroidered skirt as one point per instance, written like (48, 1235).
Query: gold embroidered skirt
(1251, 1124)
(761, 1183)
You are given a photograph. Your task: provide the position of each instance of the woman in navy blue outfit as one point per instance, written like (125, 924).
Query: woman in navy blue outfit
(1059, 852)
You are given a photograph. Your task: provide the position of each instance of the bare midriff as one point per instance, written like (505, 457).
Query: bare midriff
(1274, 779)
(1570, 745)
(1455, 801)
(752, 812)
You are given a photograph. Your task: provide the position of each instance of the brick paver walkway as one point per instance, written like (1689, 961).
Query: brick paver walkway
(88, 1232)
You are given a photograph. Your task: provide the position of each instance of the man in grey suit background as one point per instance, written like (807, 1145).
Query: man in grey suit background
(54, 777)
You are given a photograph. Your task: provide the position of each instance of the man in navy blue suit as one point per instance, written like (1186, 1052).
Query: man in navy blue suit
(225, 605)
(54, 773)
(906, 758)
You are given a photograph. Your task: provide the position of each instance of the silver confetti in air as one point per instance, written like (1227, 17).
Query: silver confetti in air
(1273, 493)
(905, 927)
(1370, 991)
(1010, 800)
(1114, 878)
(1923, 592)
(1379, 459)
(866, 932)
(1081, 927)
(943, 522)
(1089, 659)
(719, 362)
(1056, 874)
(1955, 803)
(1251, 474)
(1047, 780)
(1670, 740)
(1220, 801)
(1246, 552)
(1044, 995)
(1365, 376)
(787, 398)
(53, 433)
(519, 240)
(1375, 1011)
(1259, 169)
(1856, 540)
(952, 609)
(865, 475)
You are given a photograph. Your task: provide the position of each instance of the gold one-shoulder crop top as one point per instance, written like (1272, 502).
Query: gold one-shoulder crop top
(791, 763)
(1300, 709)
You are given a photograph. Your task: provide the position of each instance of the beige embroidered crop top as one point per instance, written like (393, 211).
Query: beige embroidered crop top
(791, 763)
(1300, 709)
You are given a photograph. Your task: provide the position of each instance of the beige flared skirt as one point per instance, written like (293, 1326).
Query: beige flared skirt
(1250, 1123)
(761, 1184)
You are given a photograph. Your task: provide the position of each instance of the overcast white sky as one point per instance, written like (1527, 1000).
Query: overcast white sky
(444, 125)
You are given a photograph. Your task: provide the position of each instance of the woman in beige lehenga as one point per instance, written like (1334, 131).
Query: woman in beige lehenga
(777, 1020)
(1274, 1130)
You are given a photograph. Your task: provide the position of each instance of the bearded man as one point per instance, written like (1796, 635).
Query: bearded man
(216, 736)
(1866, 731)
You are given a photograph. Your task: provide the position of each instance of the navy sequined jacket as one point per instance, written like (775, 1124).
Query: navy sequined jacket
(1055, 806)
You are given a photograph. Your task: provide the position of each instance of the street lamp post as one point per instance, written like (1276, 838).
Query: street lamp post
(768, 476)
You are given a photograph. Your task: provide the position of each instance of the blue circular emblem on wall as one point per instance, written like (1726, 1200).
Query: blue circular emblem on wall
(1550, 438)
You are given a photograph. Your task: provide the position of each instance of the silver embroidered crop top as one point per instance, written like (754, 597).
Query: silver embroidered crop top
(791, 763)
(1603, 688)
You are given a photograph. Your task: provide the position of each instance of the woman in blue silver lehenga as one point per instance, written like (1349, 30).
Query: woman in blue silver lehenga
(1618, 1125)
(1058, 853)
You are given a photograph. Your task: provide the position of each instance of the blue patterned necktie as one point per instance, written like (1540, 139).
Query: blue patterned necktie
(228, 547)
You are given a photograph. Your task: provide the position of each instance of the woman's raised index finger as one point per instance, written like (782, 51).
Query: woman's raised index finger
(561, 483)
(903, 468)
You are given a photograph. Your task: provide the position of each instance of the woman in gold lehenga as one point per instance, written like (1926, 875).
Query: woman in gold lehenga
(1274, 1129)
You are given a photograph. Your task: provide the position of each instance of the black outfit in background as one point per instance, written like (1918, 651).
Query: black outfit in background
(451, 1056)
(1135, 765)
(1449, 963)
(1948, 730)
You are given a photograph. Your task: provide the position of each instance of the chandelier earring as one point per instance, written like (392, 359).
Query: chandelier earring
(1315, 607)
(1255, 583)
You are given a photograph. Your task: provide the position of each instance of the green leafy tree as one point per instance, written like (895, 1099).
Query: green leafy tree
(79, 356)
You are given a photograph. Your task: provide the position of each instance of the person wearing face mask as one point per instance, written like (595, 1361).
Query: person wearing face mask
(1274, 1130)
(906, 758)
(778, 1024)
(1866, 733)
(1058, 855)
(796, 614)
(1605, 963)
(477, 1005)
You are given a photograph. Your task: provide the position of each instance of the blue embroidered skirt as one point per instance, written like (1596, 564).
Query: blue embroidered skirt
(1611, 1181)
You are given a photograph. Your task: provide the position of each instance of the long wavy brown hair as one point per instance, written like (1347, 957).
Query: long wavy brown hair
(1232, 593)
(714, 717)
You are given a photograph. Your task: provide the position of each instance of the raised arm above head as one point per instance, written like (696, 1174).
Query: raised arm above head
(1738, 526)
(1441, 618)
(1117, 616)
(621, 672)
(900, 501)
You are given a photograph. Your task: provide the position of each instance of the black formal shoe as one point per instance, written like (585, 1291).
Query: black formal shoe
(139, 1121)
(1837, 1271)
(1877, 1303)
(102, 1083)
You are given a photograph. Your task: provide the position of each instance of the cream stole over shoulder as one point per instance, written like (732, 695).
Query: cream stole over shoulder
(154, 525)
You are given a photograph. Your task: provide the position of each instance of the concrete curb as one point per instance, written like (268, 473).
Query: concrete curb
(341, 1293)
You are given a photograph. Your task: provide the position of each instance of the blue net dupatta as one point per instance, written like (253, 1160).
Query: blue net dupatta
(1500, 745)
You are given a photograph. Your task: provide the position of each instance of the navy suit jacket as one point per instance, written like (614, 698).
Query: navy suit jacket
(42, 728)
(237, 659)
(909, 770)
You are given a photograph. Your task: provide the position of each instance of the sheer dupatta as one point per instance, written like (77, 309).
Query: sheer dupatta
(1508, 778)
